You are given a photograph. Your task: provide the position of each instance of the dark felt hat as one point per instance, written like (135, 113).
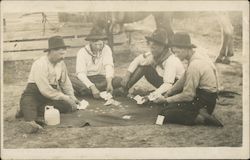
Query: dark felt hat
(158, 36)
(182, 40)
(55, 42)
(96, 35)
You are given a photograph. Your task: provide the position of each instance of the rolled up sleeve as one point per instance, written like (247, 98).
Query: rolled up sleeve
(190, 85)
(141, 60)
(107, 57)
(81, 70)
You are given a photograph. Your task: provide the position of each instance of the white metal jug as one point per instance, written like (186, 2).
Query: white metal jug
(51, 115)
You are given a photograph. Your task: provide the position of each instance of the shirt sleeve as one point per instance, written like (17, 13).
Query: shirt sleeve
(178, 86)
(170, 69)
(65, 82)
(109, 69)
(135, 63)
(141, 60)
(169, 75)
(108, 57)
(163, 88)
(42, 82)
(81, 68)
(108, 61)
(190, 86)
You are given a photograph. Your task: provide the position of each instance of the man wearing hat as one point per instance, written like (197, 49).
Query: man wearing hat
(95, 67)
(48, 84)
(192, 99)
(159, 66)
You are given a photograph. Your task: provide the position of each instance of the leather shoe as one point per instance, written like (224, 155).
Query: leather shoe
(210, 120)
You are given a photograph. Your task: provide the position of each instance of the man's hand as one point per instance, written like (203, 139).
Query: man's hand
(153, 95)
(76, 100)
(72, 103)
(95, 92)
(160, 99)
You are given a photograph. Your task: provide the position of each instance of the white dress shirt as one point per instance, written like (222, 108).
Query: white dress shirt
(88, 64)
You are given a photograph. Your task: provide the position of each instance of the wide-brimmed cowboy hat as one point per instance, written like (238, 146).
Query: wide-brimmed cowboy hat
(55, 42)
(96, 35)
(158, 36)
(182, 40)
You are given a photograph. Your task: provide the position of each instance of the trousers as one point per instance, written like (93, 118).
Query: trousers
(149, 73)
(186, 112)
(100, 82)
(32, 103)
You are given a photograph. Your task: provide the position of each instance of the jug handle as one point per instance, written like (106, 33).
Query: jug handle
(48, 107)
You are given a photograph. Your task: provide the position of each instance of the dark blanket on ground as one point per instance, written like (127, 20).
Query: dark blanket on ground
(97, 114)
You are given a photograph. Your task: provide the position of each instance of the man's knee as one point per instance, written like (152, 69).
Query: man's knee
(174, 113)
(116, 82)
(62, 106)
(29, 108)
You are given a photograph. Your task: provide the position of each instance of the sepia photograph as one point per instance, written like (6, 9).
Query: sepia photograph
(124, 79)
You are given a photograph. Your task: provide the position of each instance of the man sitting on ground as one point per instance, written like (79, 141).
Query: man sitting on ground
(48, 84)
(159, 66)
(193, 97)
(95, 67)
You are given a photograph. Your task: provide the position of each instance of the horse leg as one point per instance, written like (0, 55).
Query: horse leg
(229, 51)
(223, 49)
(226, 50)
(109, 32)
(163, 20)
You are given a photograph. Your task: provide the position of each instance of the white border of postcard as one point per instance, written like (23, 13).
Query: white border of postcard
(140, 153)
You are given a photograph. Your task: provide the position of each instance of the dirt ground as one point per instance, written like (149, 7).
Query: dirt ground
(228, 110)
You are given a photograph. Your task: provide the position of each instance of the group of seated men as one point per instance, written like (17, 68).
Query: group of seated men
(189, 95)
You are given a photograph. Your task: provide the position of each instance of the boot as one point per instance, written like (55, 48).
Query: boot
(19, 114)
(30, 127)
(210, 120)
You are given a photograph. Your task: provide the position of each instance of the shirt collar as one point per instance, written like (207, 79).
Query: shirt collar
(163, 57)
(87, 47)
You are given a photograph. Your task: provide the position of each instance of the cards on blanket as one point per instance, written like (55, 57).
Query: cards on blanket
(139, 99)
(83, 104)
(112, 101)
(105, 95)
(160, 120)
(109, 102)
(126, 117)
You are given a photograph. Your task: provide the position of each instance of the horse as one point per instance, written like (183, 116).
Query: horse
(113, 22)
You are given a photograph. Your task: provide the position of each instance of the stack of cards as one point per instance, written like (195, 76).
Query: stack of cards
(139, 99)
(105, 95)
